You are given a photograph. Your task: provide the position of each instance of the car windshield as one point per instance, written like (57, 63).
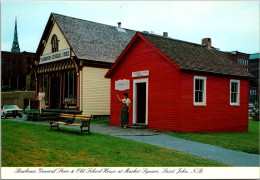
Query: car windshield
(11, 107)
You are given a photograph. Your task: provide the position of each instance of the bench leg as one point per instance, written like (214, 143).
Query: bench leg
(57, 125)
(82, 130)
(89, 129)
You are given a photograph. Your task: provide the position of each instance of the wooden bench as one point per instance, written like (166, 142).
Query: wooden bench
(69, 119)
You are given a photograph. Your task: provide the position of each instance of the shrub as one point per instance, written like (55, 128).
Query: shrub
(255, 112)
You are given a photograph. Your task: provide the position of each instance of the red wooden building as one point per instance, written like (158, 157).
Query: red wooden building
(179, 86)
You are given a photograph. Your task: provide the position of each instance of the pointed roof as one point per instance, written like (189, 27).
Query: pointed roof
(190, 56)
(15, 46)
(90, 40)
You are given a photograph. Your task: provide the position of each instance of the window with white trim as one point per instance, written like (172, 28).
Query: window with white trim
(234, 92)
(54, 43)
(199, 94)
(70, 87)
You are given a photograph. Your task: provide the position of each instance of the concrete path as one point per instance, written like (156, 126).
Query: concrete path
(100, 128)
(153, 137)
(223, 155)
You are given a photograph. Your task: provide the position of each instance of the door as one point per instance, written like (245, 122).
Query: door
(140, 102)
(55, 93)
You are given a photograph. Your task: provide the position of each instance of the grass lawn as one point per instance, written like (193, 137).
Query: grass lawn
(245, 141)
(29, 145)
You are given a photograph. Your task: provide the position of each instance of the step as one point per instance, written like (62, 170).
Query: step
(137, 127)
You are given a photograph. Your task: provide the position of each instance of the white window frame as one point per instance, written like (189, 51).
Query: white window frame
(204, 91)
(238, 91)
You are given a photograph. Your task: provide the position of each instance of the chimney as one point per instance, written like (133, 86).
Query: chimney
(165, 34)
(206, 42)
(119, 24)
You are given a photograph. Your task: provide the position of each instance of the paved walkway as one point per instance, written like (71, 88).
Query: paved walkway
(223, 155)
(100, 128)
(153, 137)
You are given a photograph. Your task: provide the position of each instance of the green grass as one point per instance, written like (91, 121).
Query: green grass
(29, 145)
(243, 141)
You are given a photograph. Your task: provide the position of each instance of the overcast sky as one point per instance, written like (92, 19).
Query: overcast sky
(232, 25)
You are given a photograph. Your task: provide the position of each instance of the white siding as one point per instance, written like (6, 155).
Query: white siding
(62, 43)
(96, 91)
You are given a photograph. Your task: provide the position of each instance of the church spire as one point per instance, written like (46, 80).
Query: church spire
(15, 47)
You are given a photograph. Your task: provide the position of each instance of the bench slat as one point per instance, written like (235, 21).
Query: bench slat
(83, 118)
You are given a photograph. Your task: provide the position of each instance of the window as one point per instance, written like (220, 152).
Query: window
(8, 71)
(2, 60)
(234, 92)
(20, 61)
(28, 70)
(28, 60)
(44, 84)
(14, 61)
(199, 91)
(70, 87)
(54, 43)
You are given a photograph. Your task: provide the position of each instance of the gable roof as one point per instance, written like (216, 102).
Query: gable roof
(191, 56)
(196, 57)
(93, 41)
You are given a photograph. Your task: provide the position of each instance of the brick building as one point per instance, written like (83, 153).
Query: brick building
(240, 58)
(16, 67)
(16, 70)
(254, 83)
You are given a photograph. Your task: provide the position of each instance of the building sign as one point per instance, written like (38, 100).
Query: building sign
(122, 85)
(63, 54)
(140, 73)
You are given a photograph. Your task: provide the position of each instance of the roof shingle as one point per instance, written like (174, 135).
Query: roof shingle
(196, 57)
(104, 43)
(93, 41)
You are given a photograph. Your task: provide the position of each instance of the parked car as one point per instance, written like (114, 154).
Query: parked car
(12, 111)
(2, 114)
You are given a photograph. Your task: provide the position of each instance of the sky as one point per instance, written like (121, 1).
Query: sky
(231, 25)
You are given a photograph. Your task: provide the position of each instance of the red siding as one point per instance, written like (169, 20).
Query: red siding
(217, 115)
(170, 95)
(163, 83)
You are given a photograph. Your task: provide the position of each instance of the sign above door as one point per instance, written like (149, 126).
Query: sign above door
(63, 54)
(140, 73)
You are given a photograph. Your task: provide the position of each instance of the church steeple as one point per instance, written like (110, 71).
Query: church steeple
(15, 47)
